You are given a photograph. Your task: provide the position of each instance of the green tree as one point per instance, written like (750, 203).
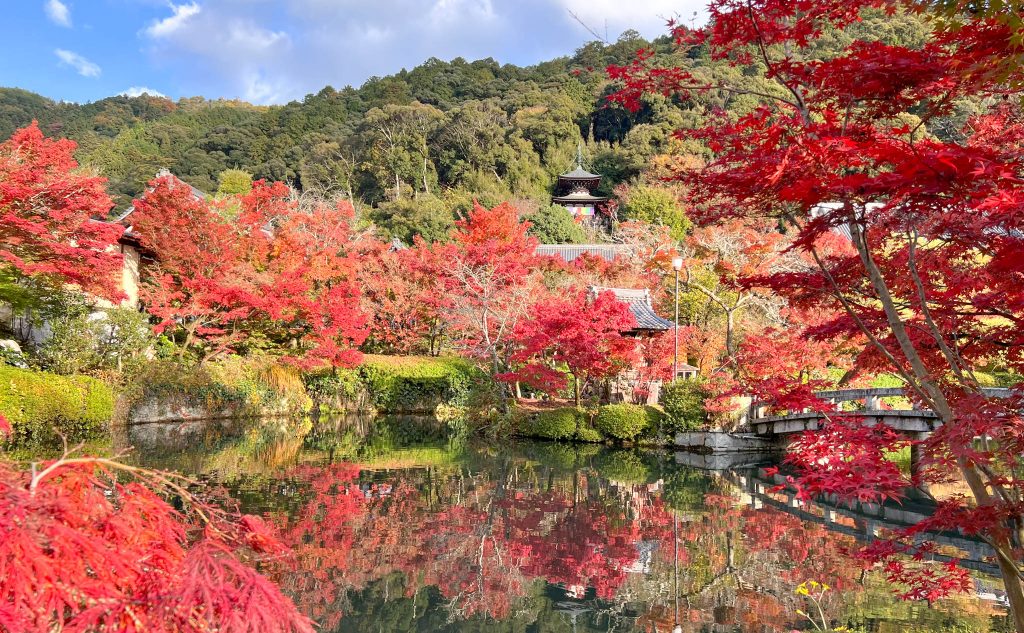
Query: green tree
(231, 182)
(554, 224)
(656, 205)
(398, 149)
(427, 217)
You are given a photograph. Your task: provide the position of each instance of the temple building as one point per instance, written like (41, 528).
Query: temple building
(648, 323)
(575, 191)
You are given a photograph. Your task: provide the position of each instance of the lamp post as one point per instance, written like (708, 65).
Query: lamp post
(677, 265)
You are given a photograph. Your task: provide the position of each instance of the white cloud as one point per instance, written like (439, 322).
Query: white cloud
(82, 66)
(138, 91)
(244, 37)
(58, 12)
(288, 49)
(180, 14)
(258, 89)
(457, 10)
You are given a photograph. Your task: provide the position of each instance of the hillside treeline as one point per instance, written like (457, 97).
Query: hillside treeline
(414, 148)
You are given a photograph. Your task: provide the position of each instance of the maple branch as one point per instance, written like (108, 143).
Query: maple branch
(799, 105)
(844, 301)
(915, 275)
(937, 399)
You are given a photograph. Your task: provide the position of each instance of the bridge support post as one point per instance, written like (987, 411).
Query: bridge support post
(917, 453)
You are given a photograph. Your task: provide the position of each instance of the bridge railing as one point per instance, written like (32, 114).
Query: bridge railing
(870, 399)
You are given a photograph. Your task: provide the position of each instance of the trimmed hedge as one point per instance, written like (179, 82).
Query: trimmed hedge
(411, 384)
(625, 421)
(553, 424)
(683, 401)
(565, 423)
(39, 405)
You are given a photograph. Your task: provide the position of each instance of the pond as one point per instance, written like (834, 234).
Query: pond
(397, 527)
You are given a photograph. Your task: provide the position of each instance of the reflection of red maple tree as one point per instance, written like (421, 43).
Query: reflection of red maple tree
(481, 547)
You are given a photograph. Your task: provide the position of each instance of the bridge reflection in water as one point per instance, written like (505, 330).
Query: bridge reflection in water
(863, 521)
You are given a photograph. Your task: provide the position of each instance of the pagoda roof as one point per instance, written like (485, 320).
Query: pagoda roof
(579, 174)
(579, 197)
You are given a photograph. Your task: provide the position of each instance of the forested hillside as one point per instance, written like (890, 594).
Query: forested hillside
(412, 149)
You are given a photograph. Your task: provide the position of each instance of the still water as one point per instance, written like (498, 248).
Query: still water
(397, 527)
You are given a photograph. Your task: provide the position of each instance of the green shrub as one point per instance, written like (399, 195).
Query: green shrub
(405, 384)
(1007, 378)
(72, 346)
(82, 342)
(624, 421)
(588, 434)
(683, 401)
(334, 389)
(40, 405)
(887, 381)
(986, 379)
(426, 216)
(553, 424)
(659, 206)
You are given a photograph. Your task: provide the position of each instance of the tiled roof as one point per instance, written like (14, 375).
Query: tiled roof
(639, 302)
(578, 197)
(569, 252)
(646, 318)
(579, 174)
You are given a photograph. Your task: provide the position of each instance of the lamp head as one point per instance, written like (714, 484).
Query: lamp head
(677, 263)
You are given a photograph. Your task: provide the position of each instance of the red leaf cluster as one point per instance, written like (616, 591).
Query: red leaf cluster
(82, 551)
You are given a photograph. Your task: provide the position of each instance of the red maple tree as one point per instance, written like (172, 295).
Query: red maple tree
(406, 300)
(50, 217)
(582, 333)
(491, 273)
(228, 270)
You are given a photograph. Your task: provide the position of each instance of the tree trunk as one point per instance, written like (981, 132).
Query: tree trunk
(1011, 582)
(729, 326)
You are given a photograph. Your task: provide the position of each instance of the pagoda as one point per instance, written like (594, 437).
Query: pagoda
(575, 190)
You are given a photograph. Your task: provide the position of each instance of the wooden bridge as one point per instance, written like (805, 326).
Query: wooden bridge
(869, 404)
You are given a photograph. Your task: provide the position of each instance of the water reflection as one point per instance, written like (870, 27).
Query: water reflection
(396, 527)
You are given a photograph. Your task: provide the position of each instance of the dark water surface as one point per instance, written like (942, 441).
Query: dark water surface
(398, 528)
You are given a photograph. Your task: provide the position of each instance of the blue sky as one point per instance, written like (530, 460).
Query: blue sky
(273, 51)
